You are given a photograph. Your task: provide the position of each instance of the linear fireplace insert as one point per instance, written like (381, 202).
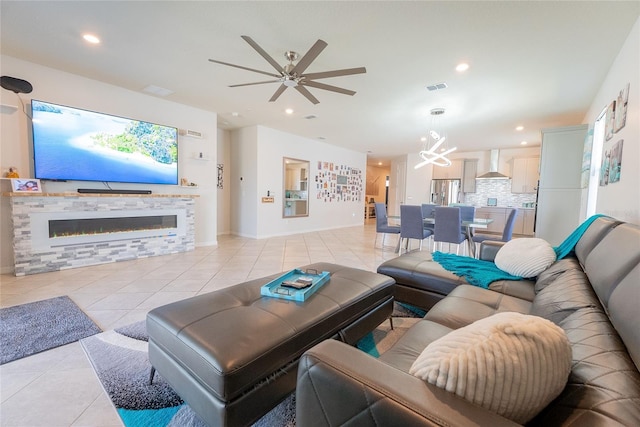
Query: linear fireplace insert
(92, 226)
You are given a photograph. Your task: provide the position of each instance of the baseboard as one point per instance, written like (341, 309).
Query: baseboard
(7, 270)
(203, 244)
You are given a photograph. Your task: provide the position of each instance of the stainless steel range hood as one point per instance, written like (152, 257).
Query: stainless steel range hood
(493, 168)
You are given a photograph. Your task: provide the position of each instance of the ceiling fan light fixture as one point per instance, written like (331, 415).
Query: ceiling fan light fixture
(293, 75)
(289, 82)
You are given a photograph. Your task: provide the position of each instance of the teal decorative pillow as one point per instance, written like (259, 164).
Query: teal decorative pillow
(526, 257)
(509, 363)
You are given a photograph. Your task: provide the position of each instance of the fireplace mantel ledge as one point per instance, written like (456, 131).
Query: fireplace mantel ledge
(74, 194)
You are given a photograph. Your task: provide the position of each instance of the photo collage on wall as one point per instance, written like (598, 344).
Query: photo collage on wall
(612, 151)
(338, 183)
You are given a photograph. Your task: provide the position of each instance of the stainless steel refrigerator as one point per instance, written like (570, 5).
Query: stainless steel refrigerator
(445, 192)
(559, 190)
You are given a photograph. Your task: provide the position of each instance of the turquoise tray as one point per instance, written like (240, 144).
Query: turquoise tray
(275, 289)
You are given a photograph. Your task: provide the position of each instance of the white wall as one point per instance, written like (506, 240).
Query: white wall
(243, 182)
(621, 200)
(257, 157)
(418, 185)
(68, 89)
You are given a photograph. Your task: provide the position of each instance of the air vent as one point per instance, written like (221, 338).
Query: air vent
(311, 117)
(437, 86)
(191, 133)
(157, 90)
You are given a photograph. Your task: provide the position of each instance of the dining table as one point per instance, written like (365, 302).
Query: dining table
(469, 225)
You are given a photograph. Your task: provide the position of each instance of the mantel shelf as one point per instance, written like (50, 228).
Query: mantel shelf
(73, 194)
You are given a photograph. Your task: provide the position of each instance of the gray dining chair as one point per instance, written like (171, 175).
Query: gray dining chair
(448, 222)
(382, 223)
(428, 211)
(507, 232)
(467, 213)
(412, 226)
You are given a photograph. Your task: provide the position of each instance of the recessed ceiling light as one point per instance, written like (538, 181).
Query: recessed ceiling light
(423, 139)
(235, 114)
(462, 67)
(379, 163)
(289, 111)
(91, 38)
(523, 143)
(519, 128)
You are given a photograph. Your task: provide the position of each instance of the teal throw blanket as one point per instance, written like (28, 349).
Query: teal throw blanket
(482, 273)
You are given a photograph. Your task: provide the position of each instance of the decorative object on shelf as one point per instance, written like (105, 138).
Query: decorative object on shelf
(15, 85)
(12, 173)
(220, 176)
(184, 182)
(431, 151)
(28, 185)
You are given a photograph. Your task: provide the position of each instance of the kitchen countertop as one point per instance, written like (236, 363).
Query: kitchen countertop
(503, 207)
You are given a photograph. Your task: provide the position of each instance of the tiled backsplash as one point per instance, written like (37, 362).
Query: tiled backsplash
(500, 189)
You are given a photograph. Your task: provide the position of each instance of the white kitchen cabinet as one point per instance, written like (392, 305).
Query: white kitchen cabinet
(469, 172)
(529, 221)
(524, 175)
(524, 222)
(450, 172)
(499, 216)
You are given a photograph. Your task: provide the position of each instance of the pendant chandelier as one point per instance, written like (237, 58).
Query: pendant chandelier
(433, 150)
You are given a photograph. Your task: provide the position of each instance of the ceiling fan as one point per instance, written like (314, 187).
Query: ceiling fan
(291, 75)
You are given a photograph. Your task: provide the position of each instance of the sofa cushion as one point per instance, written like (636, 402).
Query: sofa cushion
(466, 304)
(509, 363)
(525, 257)
(603, 388)
(570, 291)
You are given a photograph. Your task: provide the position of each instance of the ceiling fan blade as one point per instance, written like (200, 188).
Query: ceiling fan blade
(256, 83)
(245, 68)
(308, 57)
(303, 90)
(262, 53)
(335, 73)
(319, 85)
(278, 92)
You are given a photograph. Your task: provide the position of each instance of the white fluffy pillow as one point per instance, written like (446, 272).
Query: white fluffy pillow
(526, 257)
(509, 363)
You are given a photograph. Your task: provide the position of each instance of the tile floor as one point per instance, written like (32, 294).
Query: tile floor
(59, 388)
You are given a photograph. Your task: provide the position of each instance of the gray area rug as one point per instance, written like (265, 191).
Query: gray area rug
(121, 362)
(28, 329)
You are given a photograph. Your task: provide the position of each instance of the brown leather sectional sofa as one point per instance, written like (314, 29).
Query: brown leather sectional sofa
(593, 295)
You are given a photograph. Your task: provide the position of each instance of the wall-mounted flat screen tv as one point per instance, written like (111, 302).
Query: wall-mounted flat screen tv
(74, 144)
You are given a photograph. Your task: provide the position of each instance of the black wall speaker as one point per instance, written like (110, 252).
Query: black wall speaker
(15, 85)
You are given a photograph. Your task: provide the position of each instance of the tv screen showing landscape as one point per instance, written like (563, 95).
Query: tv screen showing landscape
(74, 144)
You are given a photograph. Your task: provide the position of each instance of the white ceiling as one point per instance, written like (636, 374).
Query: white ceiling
(536, 64)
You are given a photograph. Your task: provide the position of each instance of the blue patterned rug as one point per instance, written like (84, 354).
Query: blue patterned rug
(120, 360)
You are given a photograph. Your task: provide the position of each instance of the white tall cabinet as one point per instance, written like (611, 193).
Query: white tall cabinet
(559, 194)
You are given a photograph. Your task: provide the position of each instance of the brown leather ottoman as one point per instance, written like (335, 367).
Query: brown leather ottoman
(233, 354)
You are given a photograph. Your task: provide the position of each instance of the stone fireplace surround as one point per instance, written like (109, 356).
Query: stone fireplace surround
(97, 228)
